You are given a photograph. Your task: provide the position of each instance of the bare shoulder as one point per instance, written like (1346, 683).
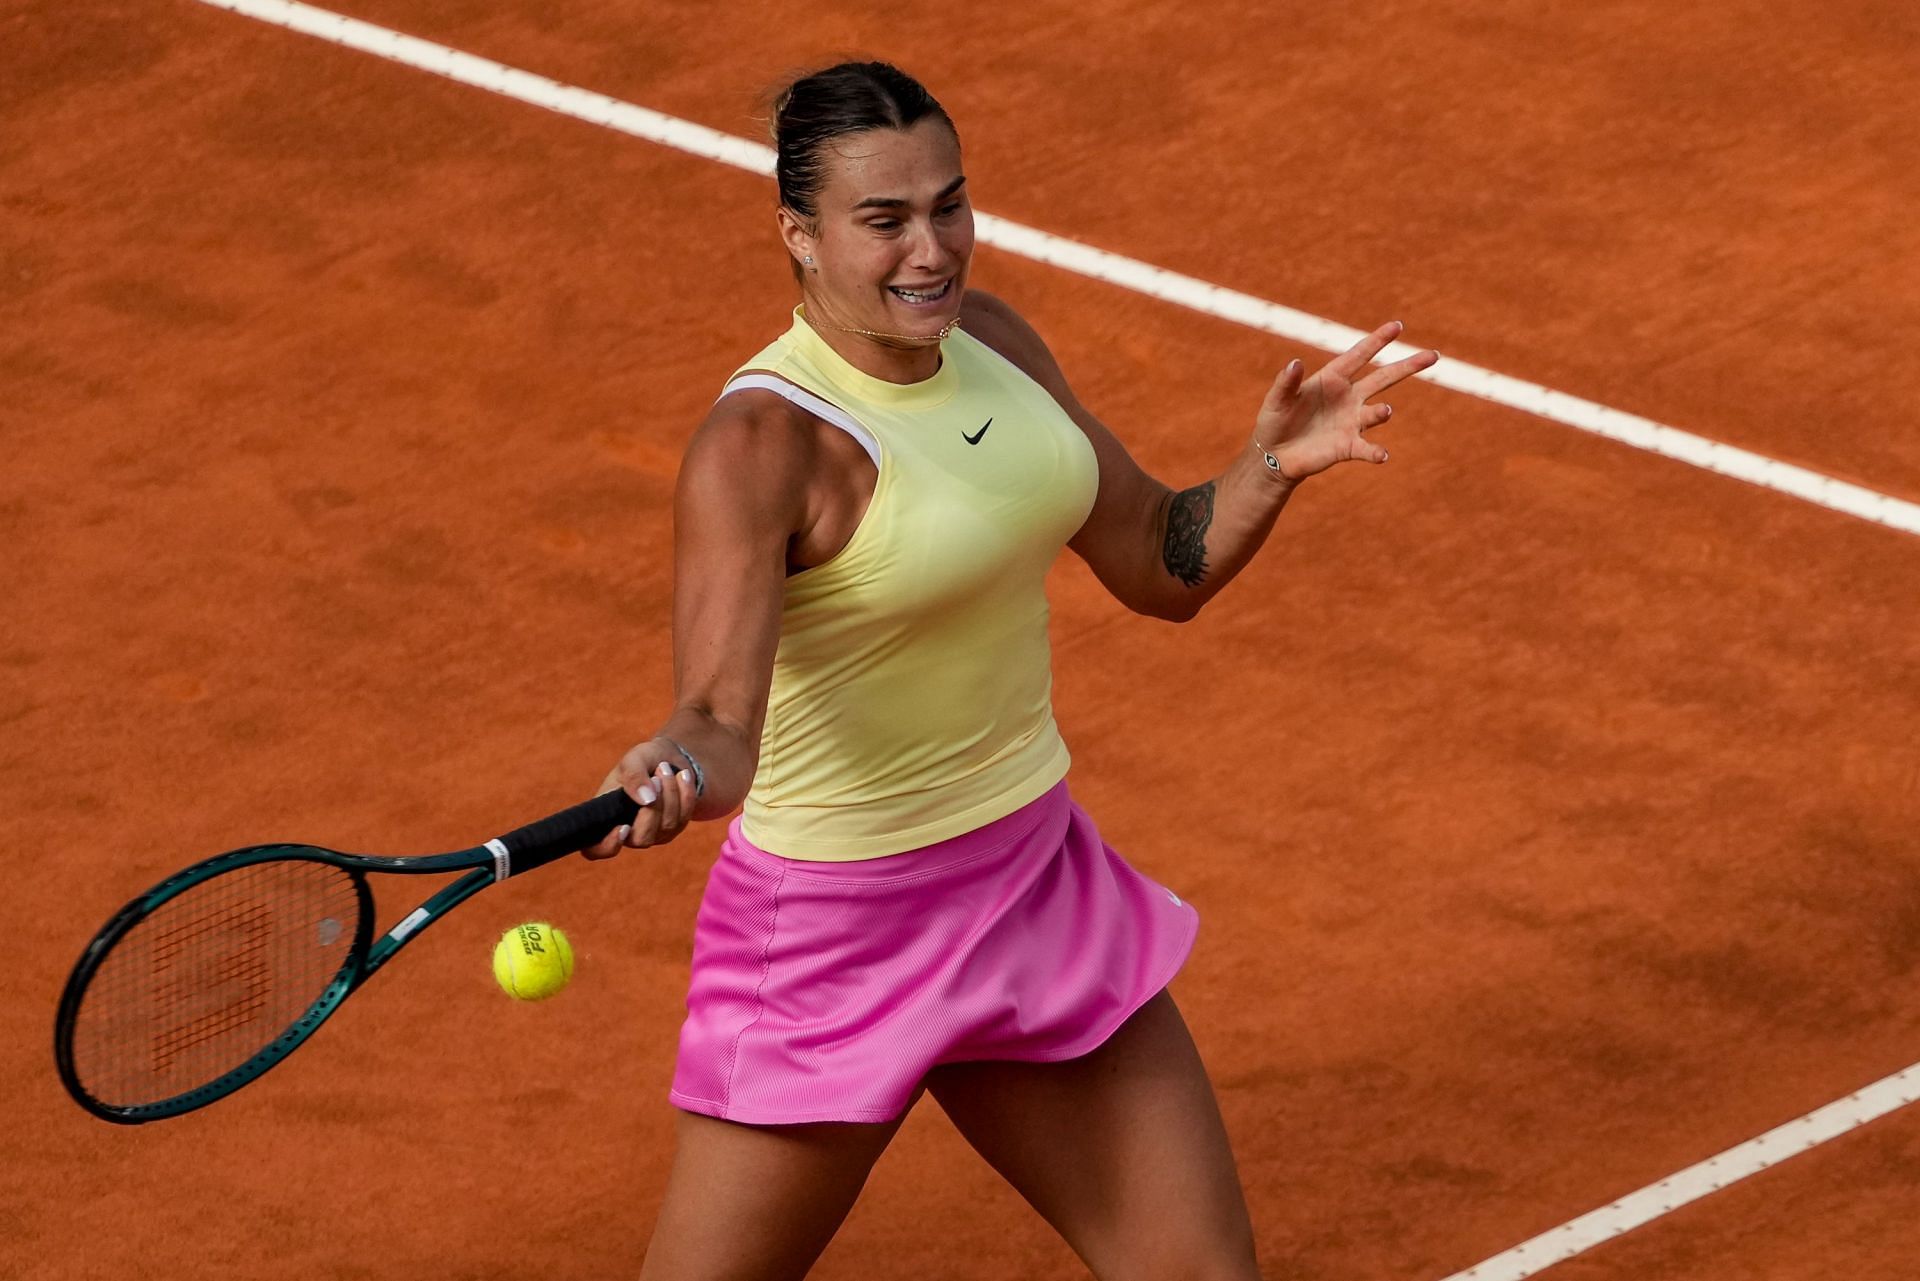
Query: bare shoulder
(754, 444)
(757, 423)
(993, 321)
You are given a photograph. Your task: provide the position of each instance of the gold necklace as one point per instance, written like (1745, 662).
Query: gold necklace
(945, 329)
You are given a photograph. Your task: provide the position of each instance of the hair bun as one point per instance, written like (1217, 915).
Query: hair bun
(848, 97)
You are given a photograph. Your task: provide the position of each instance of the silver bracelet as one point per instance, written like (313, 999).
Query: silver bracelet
(699, 775)
(1273, 464)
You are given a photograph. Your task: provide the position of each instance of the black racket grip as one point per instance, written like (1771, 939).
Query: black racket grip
(558, 835)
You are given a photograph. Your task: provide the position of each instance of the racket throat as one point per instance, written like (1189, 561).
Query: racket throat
(407, 925)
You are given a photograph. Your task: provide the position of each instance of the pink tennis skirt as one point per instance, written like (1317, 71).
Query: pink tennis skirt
(826, 991)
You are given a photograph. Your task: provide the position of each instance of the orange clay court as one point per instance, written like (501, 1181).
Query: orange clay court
(1550, 806)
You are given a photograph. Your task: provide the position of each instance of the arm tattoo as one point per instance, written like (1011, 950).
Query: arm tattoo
(1189, 512)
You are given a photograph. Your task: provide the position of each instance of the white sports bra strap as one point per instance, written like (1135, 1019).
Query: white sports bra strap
(821, 409)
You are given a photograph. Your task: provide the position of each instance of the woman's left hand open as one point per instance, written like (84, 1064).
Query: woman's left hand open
(1309, 424)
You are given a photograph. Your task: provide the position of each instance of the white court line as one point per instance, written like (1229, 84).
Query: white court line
(1591, 1229)
(1885, 1095)
(1128, 273)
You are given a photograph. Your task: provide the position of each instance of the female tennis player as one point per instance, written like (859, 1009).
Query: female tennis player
(911, 901)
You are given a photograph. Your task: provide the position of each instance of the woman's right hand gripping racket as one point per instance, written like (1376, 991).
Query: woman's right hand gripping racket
(214, 975)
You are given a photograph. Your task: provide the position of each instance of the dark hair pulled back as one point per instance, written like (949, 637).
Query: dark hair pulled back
(850, 97)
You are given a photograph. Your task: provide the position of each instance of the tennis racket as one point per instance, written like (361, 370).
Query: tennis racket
(198, 986)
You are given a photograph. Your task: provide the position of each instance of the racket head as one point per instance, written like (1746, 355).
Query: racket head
(211, 977)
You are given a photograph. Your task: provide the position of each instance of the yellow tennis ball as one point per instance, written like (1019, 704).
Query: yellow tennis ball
(532, 961)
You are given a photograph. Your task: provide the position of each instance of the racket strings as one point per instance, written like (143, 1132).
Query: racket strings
(211, 978)
(224, 950)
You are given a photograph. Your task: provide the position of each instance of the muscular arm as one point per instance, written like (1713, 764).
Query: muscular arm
(1160, 552)
(741, 497)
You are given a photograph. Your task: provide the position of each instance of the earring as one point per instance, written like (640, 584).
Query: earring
(807, 261)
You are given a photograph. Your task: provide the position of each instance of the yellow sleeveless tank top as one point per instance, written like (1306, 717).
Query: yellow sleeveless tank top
(912, 695)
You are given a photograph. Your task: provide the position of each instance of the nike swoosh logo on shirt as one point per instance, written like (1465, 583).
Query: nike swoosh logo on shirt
(975, 438)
